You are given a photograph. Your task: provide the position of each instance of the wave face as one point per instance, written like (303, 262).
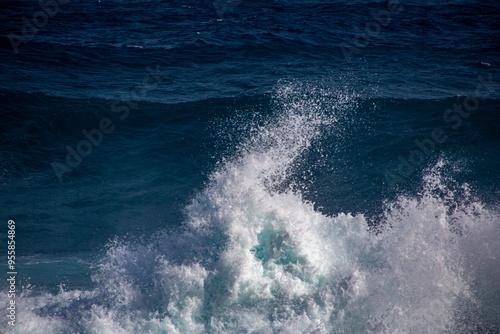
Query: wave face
(254, 256)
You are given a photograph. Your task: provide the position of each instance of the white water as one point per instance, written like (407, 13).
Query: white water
(255, 260)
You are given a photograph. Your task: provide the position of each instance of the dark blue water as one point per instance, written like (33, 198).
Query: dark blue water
(251, 167)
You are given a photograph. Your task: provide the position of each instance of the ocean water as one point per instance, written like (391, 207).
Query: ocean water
(251, 167)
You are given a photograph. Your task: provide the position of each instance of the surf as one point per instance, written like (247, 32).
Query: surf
(254, 256)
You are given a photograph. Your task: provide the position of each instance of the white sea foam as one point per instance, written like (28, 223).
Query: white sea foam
(253, 259)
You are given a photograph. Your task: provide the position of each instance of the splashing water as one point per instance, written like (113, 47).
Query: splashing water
(252, 259)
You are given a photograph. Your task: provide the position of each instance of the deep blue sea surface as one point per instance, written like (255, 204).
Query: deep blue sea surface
(241, 166)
